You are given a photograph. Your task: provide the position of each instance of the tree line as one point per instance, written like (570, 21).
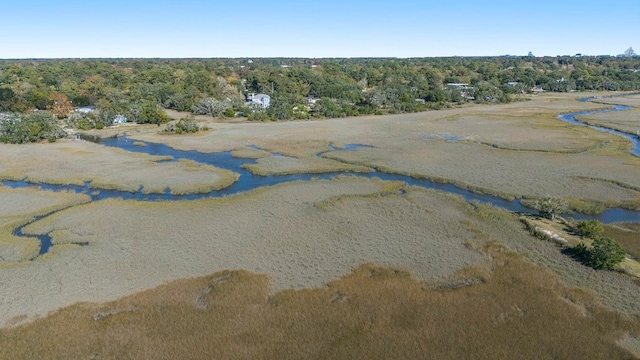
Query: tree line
(141, 89)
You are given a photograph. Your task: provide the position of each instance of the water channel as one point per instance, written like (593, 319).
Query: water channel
(247, 181)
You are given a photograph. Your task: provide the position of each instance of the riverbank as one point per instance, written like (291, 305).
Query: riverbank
(518, 150)
(79, 162)
(302, 234)
(627, 121)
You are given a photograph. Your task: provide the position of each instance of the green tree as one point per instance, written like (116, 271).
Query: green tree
(36, 127)
(591, 228)
(550, 207)
(152, 114)
(606, 254)
(7, 98)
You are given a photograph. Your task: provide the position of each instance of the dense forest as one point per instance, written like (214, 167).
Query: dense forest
(140, 89)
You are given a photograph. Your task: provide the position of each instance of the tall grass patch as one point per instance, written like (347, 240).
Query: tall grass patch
(517, 310)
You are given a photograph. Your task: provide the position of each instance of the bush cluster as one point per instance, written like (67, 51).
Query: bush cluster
(35, 127)
(550, 207)
(604, 253)
(187, 125)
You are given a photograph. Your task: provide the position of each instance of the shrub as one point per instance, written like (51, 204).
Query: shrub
(229, 113)
(581, 250)
(550, 207)
(185, 125)
(591, 228)
(606, 254)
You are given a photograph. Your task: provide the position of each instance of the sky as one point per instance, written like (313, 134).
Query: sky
(315, 29)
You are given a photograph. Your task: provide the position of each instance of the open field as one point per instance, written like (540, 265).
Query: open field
(516, 150)
(75, 162)
(516, 310)
(20, 206)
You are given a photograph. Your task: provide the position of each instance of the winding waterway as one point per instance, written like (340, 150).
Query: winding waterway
(247, 181)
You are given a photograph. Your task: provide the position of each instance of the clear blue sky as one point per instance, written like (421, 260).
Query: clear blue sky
(329, 28)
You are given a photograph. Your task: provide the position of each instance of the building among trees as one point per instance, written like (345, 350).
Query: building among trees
(260, 99)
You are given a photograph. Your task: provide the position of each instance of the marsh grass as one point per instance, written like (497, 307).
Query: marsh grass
(516, 310)
(19, 207)
(76, 162)
(248, 153)
(388, 188)
(289, 166)
(586, 207)
(625, 121)
(628, 235)
(538, 157)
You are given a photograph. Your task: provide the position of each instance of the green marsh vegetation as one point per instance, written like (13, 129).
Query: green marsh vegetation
(601, 252)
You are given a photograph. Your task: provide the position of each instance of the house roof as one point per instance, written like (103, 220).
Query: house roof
(258, 97)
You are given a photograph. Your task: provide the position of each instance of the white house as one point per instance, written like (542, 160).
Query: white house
(466, 91)
(85, 109)
(119, 119)
(312, 100)
(260, 99)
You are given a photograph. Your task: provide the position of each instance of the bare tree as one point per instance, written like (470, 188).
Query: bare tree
(211, 106)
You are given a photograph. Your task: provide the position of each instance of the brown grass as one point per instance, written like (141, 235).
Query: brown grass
(515, 311)
(306, 234)
(248, 153)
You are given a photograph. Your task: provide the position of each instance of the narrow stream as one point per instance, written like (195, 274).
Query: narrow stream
(248, 181)
(634, 139)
